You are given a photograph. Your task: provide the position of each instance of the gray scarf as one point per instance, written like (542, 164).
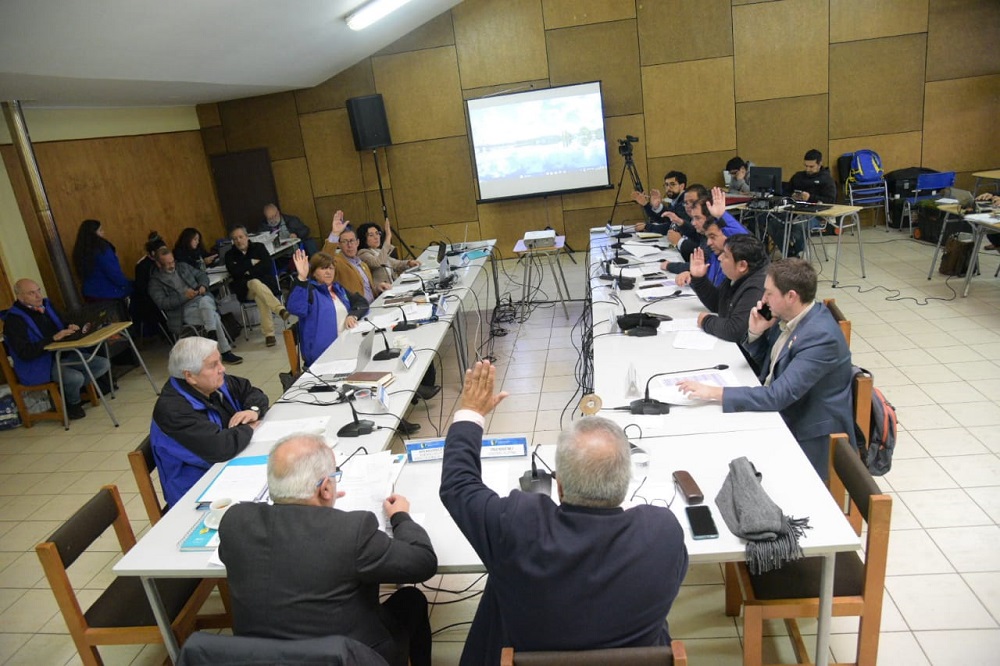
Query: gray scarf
(772, 537)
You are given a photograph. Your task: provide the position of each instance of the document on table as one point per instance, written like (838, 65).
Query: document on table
(242, 480)
(272, 431)
(379, 321)
(666, 388)
(689, 324)
(337, 367)
(694, 340)
(367, 481)
(640, 250)
(418, 310)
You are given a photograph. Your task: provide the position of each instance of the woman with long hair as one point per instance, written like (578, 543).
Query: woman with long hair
(97, 266)
(376, 251)
(191, 250)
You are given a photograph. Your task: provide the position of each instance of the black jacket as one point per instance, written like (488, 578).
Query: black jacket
(293, 224)
(242, 269)
(732, 303)
(820, 186)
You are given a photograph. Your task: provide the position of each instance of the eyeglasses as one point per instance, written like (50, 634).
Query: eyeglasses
(335, 476)
(348, 241)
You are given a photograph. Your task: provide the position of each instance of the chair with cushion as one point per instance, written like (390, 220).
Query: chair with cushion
(793, 590)
(660, 655)
(18, 390)
(121, 615)
(214, 650)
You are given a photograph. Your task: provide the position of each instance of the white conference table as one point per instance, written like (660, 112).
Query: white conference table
(982, 224)
(703, 439)
(157, 554)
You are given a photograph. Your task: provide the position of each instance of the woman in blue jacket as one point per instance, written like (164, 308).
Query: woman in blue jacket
(97, 265)
(323, 306)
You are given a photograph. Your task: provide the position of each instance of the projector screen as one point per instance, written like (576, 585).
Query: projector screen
(539, 142)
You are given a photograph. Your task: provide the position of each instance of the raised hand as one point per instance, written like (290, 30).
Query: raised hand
(717, 206)
(697, 266)
(655, 198)
(301, 261)
(639, 198)
(480, 382)
(388, 233)
(338, 225)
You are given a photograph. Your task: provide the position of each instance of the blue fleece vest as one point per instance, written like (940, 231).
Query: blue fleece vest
(179, 467)
(316, 333)
(39, 370)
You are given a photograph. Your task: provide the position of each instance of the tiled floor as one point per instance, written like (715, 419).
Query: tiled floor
(934, 361)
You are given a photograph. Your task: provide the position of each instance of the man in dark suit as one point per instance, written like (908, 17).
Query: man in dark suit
(656, 204)
(287, 226)
(805, 365)
(301, 568)
(581, 574)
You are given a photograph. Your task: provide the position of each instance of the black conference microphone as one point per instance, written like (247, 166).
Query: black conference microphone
(535, 481)
(405, 325)
(389, 352)
(323, 387)
(639, 324)
(450, 250)
(357, 427)
(647, 405)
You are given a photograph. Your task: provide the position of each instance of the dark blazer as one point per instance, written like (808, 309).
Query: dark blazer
(811, 387)
(242, 269)
(304, 571)
(560, 577)
(294, 225)
(731, 302)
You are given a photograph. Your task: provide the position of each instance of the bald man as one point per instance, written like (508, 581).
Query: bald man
(31, 324)
(301, 568)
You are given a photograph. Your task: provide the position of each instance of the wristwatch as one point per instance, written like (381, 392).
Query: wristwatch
(256, 410)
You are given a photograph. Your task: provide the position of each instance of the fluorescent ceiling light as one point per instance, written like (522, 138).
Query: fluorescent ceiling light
(371, 12)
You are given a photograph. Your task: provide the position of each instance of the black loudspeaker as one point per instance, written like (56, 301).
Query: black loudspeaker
(368, 122)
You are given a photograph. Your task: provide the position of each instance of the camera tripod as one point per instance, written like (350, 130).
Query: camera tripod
(629, 167)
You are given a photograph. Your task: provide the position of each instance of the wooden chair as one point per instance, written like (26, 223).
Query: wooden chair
(845, 323)
(792, 591)
(292, 349)
(18, 390)
(661, 655)
(142, 462)
(121, 615)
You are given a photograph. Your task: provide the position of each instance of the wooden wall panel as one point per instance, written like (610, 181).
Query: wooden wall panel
(333, 93)
(696, 123)
(606, 52)
(358, 207)
(877, 86)
(295, 195)
(676, 31)
(208, 115)
(422, 93)
(499, 42)
(963, 39)
(781, 49)
(214, 139)
(578, 223)
(960, 124)
(614, 129)
(852, 20)
(263, 122)
(772, 133)
(897, 151)
(334, 165)
(566, 13)
(432, 182)
(702, 168)
(438, 31)
(132, 184)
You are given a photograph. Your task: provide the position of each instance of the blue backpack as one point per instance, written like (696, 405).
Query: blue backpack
(866, 167)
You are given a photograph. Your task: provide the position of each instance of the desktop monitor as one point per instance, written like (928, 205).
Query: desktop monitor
(765, 180)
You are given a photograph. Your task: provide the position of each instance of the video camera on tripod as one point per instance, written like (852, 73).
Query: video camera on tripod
(625, 150)
(625, 145)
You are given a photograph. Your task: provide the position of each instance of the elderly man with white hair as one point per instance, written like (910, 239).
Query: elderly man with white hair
(203, 416)
(301, 568)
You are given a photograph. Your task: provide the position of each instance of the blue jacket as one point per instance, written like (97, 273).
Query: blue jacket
(106, 281)
(180, 468)
(729, 227)
(811, 387)
(39, 369)
(318, 315)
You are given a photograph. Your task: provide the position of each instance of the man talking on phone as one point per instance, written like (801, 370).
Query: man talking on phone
(805, 364)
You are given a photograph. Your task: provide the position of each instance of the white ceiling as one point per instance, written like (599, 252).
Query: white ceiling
(181, 52)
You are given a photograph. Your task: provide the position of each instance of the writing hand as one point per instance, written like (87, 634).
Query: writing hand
(395, 503)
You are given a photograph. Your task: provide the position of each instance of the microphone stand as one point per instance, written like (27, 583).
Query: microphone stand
(651, 406)
(535, 481)
(385, 211)
(406, 324)
(357, 427)
(389, 352)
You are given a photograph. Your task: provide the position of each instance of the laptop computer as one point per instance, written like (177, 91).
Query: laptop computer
(806, 207)
(90, 318)
(364, 357)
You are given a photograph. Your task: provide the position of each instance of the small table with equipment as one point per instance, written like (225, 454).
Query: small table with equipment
(552, 254)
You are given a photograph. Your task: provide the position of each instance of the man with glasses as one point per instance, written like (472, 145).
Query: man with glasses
(301, 568)
(287, 226)
(352, 273)
(656, 204)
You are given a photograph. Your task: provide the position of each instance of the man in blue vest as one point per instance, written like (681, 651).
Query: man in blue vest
(31, 324)
(203, 416)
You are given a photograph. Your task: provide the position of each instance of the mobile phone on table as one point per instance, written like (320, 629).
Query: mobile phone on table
(702, 523)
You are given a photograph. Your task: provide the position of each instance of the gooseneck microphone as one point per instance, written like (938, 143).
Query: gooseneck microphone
(357, 427)
(389, 352)
(647, 405)
(406, 324)
(535, 480)
(451, 251)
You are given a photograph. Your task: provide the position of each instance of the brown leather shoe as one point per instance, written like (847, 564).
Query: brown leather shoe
(270, 341)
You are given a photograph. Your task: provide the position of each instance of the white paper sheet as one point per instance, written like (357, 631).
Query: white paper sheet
(366, 482)
(640, 249)
(694, 340)
(380, 321)
(665, 388)
(241, 483)
(272, 431)
(690, 324)
(337, 367)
